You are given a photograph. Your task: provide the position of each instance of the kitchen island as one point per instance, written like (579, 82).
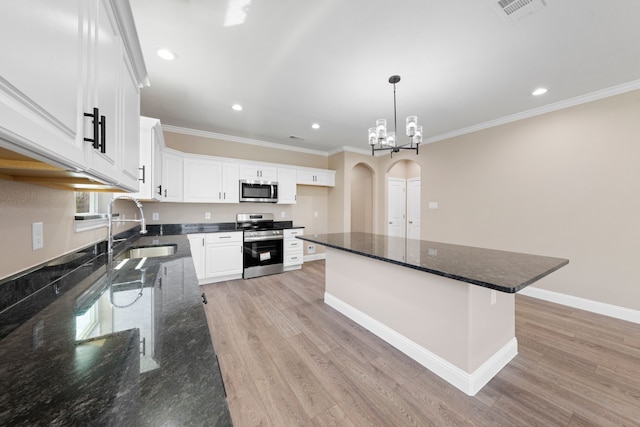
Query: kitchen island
(449, 307)
(103, 341)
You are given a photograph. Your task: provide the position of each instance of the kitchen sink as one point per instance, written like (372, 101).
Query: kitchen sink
(150, 251)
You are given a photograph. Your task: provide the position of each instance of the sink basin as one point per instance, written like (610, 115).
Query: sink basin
(150, 251)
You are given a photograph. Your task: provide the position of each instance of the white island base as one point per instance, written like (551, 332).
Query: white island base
(462, 332)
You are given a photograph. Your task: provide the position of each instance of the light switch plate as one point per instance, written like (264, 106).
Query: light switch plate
(155, 216)
(37, 235)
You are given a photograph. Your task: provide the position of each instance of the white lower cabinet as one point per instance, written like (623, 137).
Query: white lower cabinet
(217, 256)
(293, 249)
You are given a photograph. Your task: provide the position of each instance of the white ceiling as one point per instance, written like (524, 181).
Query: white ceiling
(296, 62)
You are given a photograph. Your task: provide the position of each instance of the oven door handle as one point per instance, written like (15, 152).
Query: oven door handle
(263, 238)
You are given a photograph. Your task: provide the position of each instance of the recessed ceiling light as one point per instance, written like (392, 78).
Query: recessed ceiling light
(166, 54)
(237, 107)
(315, 126)
(539, 91)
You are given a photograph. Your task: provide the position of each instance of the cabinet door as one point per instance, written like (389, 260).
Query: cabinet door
(129, 144)
(287, 186)
(316, 177)
(172, 176)
(150, 166)
(41, 79)
(258, 172)
(202, 180)
(196, 243)
(156, 164)
(223, 259)
(230, 182)
(106, 54)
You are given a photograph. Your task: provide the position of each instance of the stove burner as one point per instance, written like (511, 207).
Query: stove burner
(254, 222)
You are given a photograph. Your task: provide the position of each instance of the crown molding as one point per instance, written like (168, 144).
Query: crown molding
(241, 140)
(571, 102)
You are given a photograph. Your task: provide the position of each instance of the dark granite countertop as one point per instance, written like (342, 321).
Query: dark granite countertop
(500, 270)
(95, 345)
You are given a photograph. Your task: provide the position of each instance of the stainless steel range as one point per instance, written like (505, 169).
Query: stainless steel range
(263, 245)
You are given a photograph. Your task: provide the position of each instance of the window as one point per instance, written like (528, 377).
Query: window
(91, 209)
(86, 202)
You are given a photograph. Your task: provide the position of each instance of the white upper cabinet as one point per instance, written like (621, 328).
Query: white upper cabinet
(321, 177)
(150, 167)
(207, 180)
(255, 171)
(172, 176)
(230, 182)
(202, 180)
(287, 193)
(42, 78)
(69, 89)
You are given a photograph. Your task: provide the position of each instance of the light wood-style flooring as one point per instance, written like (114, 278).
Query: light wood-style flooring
(287, 359)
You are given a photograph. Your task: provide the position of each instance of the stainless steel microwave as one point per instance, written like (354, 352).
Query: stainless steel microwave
(258, 191)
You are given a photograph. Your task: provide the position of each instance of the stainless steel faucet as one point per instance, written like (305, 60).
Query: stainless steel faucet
(143, 224)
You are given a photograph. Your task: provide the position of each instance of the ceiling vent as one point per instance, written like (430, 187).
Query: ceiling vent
(515, 10)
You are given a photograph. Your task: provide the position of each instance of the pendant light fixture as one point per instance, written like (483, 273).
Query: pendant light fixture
(380, 139)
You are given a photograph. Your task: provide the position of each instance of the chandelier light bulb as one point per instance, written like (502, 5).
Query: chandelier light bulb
(381, 128)
(373, 136)
(412, 123)
(391, 139)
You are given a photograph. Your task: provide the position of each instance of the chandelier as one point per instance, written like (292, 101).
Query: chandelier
(380, 139)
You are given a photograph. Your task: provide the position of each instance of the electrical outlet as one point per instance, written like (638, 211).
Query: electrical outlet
(37, 235)
(433, 205)
(155, 216)
(311, 249)
(282, 214)
(315, 214)
(493, 296)
(207, 215)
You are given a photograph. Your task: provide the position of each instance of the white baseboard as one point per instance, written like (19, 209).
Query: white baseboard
(610, 310)
(314, 257)
(469, 383)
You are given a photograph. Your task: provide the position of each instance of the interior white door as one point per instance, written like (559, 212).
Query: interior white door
(413, 208)
(397, 207)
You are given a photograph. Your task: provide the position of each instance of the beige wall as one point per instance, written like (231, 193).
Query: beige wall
(23, 204)
(361, 199)
(563, 184)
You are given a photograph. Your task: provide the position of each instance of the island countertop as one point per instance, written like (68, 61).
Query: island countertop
(500, 270)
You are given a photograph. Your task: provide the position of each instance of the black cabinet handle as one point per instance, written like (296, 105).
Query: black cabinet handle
(165, 192)
(103, 135)
(204, 298)
(94, 121)
(143, 174)
(160, 189)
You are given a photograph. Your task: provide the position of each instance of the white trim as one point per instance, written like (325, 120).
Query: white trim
(241, 140)
(89, 224)
(605, 309)
(314, 257)
(469, 383)
(571, 102)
